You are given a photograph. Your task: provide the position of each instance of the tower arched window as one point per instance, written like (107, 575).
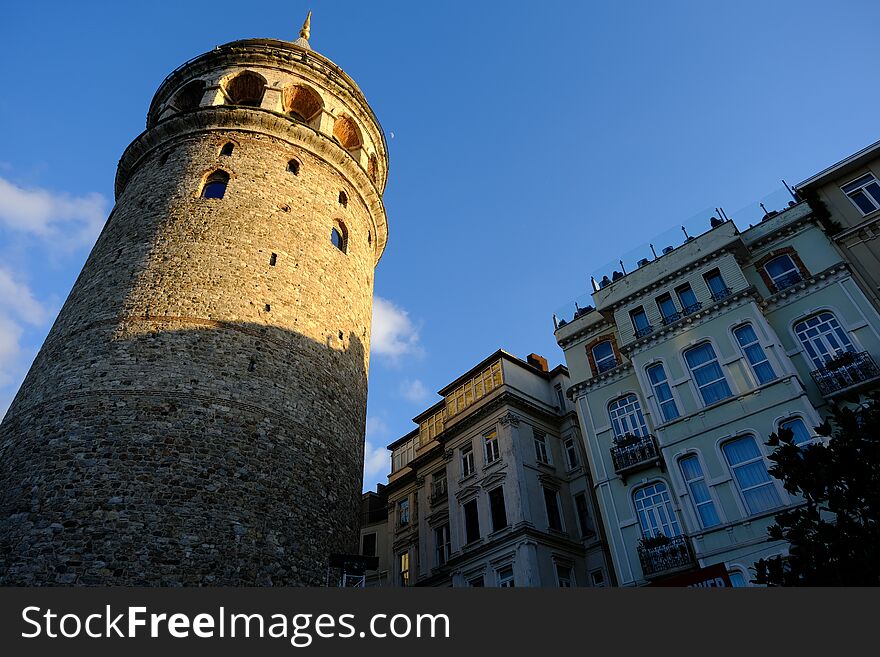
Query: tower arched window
(190, 96)
(347, 133)
(215, 184)
(343, 199)
(227, 148)
(246, 88)
(372, 167)
(339, 237)
(301, 102)
(293, 167)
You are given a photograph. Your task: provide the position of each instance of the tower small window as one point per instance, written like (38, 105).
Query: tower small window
(339, 237)
(343, 199)
(215, 185)
(273, 259)
(227, 148)
(293, 167)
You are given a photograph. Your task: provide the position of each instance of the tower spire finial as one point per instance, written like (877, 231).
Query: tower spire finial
(306, 30)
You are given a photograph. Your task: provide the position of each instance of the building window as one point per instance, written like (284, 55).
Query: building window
(505, 578)
(560, 396)
(339, 237)
(717, 288)
(598, 578)
(692, 473)
(626, 417)
(467, 461)
(754, 353)
(707, 373)
(215, 185)
(471, 522)
(490, 447)
(541, 452)
(864, 194)
(640, 322)
(293, 167)
(245, 88)
(783, 272)
(475, 388)
(583, 514)
(798, 429)
(687, 299)
(668, 311)
(655, 512)
(438, 486)
(227, 148)
(737, 579)
(571, 454)
(443, 544)
(403, 513)
(368, 545)
(343, 199)
(551, 503)
(477, 582)
(563, 576)
(403, 568)
(750, 473)
(496, 506)
(190, 97)
(603, 356)
(823, 338)
(662, 391)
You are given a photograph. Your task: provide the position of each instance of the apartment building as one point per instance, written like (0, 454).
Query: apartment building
(493, 488)
(682, 368)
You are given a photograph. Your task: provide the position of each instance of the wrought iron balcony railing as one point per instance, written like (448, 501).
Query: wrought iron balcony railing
(691, 309)
(846, 371)
(631, 453)
(784, 282)
(663, 554)
(606, 365)
(723, 293)
(645, 330)
(671, 317)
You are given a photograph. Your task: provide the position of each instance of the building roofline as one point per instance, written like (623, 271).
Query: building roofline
(851, 162)
(403, 439)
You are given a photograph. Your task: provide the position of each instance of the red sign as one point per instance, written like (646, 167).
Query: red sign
(714, 576)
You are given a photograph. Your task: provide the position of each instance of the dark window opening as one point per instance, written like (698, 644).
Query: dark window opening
(339, 238)
(471, 522)
(215, 185)
(583, 514)
(368, 548)
(252, 365)
(551, 501)
(227, 148)
(343, 199)
(273, 259)
(496, 505)
(267, 308)
(370, 238)
(246, 88)
(293, 167)
(163, 159)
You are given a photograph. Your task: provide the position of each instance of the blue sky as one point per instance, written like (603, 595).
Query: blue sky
(532, 142)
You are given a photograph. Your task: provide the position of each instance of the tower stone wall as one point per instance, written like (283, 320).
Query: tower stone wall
(197, 412)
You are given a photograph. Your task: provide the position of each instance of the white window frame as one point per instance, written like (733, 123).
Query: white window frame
(571, 453)
(404, 568)
(757, 341)
(504, 581)
(559, 512)
(403, 512)
(442, 549)
(688, 484)
(610, 357)
(627, 418)
(810, 343)
(868, 178)
(568, 577)
(467, 460)
(491, 449)
(542, 450)
(760, 458)
(603, 583)
(654, 387)
(650, 514)
(693, 377)
(793, 270)
(793, 418)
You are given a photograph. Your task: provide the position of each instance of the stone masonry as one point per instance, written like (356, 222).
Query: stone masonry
(196, 414)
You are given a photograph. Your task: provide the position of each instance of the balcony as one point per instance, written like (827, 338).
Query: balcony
(663, 555)
(721, 294)
(691, 309)
(785, 282)
(645, 330)
(632, 453)
(670, 318)
(845, 373)
(605, 365)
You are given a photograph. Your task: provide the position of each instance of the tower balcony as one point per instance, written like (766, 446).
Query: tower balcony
(847, 372)
(633, 453)
(664, 555)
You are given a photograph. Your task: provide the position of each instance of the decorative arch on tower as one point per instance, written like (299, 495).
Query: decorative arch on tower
(301, 102)
(190, 96)
(347, 133)
(245, 88)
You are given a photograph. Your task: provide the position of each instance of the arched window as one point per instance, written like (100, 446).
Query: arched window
(246, 88)
(750, 473)
(343, 199)
(626, 417)
(603, 356)
(347, 132)
(301, 102)
(692, 473)
(339, 237)
(783, 272)
(372, 167)
(798, 429)
(293, 167)
(707, 373)
(215, 184)
(738, 578)
(655, 512)
(823, 338)
(190, 96)
(227, 148)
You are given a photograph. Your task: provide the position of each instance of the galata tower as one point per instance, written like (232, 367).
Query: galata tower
(196, 415)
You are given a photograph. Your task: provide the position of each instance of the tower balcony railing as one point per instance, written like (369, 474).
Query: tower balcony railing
(662, 555)
(631, 453)
(845, 372)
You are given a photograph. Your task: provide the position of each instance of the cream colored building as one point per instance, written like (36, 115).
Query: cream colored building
(683, 367)
(492, 488)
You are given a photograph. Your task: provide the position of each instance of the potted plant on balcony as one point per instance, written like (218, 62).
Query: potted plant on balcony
(627, 440)
(650, 542)
(840, 360)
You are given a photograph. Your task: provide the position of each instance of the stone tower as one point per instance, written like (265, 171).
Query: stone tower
(197, 412)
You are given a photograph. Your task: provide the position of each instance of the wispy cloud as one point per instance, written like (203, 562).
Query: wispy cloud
(394, 333)
(377, 459)
(71, 221)
(414, 391)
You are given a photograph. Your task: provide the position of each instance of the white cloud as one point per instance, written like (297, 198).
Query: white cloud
(71, 221)
(10, 350)
(377, 459)
(394, 334)
(16, 298)
(414, 391)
